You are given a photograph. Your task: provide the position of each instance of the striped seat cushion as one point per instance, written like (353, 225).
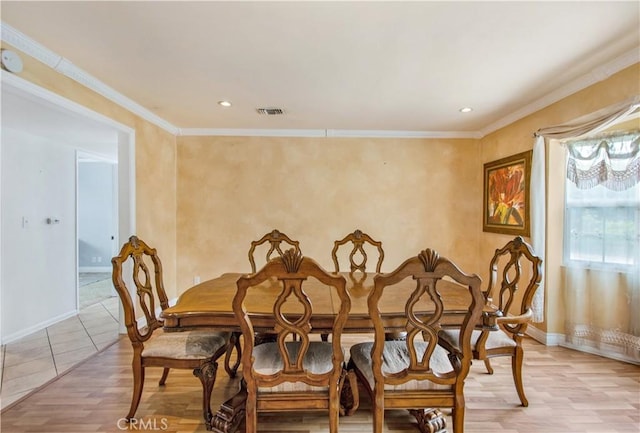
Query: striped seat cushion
(197, 344)
(395, 358)
(268, 360)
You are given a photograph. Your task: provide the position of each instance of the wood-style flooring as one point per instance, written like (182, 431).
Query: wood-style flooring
(568, 392)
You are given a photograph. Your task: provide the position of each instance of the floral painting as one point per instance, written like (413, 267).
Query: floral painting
(506, 195)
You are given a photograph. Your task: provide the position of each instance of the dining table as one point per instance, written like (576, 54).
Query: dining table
(209, 305)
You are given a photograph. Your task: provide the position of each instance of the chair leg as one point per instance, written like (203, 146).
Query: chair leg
(138, 384)
(207, 375)
(234, 342)
(378, 411)
(163, 379)
(487, 364)
(251, 413)
(516, 368)
(457, 416)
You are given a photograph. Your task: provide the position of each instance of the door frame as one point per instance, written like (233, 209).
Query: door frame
(126, 176)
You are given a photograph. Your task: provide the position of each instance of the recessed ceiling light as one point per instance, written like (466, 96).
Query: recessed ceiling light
(466, 110)
(224, 103)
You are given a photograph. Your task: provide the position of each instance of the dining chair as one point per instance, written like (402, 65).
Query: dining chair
(506, 274)
(197, 350)
(291, 375)
(358, 239)
(275, 238)
(416, 373)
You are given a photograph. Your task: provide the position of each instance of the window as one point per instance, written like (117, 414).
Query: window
(602, 202)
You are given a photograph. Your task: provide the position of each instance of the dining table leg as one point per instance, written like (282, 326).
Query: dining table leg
(231, 412)
(430, 420)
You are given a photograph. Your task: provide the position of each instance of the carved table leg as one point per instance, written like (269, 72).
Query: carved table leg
(349, 394)
(430, 420)
(231, 412)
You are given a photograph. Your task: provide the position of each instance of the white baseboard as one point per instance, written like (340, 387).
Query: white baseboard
(548, 339)
(603, 353)
(35, 328)
(559, 340)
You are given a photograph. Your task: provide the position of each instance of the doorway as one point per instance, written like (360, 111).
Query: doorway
(97, 211)
(67, 129)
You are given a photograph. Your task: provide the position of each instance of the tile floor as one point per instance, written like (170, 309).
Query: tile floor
(34, 360)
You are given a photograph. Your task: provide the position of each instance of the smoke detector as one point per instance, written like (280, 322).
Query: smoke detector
(270, 111)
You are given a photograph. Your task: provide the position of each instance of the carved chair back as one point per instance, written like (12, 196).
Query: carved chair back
(506, 277)
(146, 276)
(275, 239)
(439, 375)
(293, 278)
(428, 269)
(358, 239)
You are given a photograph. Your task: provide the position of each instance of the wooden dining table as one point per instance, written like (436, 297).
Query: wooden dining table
(209, 305)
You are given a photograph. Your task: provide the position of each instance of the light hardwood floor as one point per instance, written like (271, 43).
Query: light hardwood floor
(568, 391)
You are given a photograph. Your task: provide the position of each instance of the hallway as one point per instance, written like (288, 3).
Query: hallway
(32, 361)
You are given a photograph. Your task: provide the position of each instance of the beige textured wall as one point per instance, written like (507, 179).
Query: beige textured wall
(518, 137)
(155, 162)
(408, 193)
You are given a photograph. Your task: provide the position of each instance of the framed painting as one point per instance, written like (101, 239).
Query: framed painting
(506, 195)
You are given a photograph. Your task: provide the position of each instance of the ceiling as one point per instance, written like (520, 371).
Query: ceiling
(340, 66)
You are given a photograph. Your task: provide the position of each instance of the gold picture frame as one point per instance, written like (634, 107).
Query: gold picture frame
(506, 205)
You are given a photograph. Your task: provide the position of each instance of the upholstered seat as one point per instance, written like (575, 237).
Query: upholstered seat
(396, 358)
(268, 360)
(196, 350)
(195, 344)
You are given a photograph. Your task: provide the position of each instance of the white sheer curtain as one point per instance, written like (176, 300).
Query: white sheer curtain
(601, 284)
(585, 125)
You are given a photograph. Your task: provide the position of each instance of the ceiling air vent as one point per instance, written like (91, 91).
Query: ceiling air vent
(270, 111)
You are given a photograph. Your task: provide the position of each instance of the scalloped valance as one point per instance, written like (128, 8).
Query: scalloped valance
(612, 161)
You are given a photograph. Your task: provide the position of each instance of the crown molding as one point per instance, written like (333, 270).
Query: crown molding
(17, 82)
(337, 133)
(252, 132)
(400, 134)
(67, 68)
(600, 73)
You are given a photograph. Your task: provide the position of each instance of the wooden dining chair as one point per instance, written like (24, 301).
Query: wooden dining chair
(506, 276)
(417, 373)
(288, 375)
(358, 239)
(196, 350)
(275, 238)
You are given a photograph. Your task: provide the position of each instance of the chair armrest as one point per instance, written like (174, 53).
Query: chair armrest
(516, 320)
(515, 324)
